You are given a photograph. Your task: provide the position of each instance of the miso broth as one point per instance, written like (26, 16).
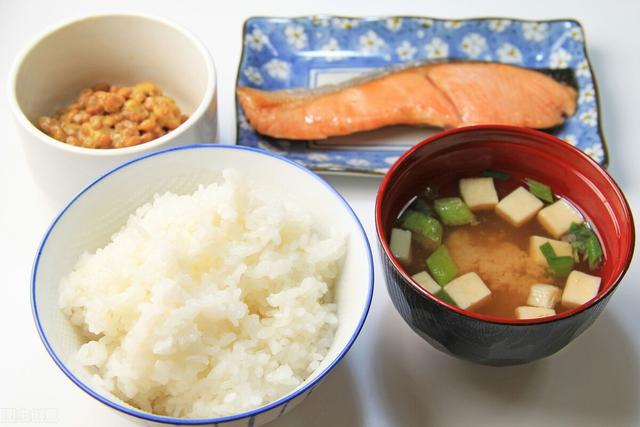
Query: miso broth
(470, 242)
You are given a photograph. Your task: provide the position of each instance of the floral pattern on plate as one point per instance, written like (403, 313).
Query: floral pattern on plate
(282, 53)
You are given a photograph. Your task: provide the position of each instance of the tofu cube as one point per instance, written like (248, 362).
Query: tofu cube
(526, 312)
(467, 290)
(425, 280)
(579, 288)
(559, 247)
(543, 295)
(478, 193)
(557, 218)
(518, 207)
(401, 244)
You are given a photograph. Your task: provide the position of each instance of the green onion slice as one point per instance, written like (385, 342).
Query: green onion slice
(586, 244)
(540, 190)
(421, 205)
(502, 176)
(442, 266)
(560, 266)
(453, 211)
(423, 225)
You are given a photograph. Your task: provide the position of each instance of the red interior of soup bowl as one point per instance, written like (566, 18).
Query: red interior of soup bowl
(569, 172)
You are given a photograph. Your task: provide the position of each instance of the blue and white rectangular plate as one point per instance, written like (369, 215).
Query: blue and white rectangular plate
(308, 52)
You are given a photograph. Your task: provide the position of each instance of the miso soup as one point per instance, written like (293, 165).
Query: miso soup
(501, 245)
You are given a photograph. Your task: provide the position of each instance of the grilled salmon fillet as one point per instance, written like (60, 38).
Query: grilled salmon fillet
(442, 95)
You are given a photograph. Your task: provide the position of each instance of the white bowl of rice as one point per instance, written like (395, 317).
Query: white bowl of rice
(202, 285)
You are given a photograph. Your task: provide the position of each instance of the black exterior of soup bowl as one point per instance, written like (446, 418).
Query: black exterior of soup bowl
(484, 339)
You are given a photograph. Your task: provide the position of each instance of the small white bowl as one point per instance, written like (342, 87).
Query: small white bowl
(115, 48)
(90, 219)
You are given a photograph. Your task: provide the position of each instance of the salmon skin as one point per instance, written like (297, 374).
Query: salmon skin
(444, 95)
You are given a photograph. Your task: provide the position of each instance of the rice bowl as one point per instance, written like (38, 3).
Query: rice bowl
(190, 166)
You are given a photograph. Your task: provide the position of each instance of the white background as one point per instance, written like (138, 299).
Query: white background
(390, 377)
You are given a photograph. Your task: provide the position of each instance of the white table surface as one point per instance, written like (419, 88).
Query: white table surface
(390, 377)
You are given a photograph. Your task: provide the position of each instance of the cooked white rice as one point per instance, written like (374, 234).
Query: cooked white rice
(207, 304)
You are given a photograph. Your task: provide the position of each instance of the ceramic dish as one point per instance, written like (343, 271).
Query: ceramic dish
(181, 170)
(120, 48)
(478, 337)
(281, 53)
